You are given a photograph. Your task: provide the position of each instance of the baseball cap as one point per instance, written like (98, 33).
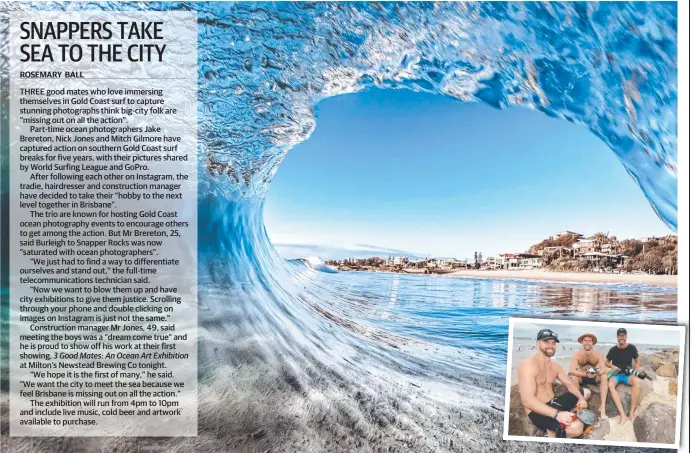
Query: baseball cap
(547, 334)
(621, 330)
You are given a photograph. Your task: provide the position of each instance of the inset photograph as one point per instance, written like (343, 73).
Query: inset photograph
(594, 383)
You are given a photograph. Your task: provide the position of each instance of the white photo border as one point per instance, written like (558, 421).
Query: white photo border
(567, 322)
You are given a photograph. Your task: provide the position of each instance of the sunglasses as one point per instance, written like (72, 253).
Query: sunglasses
(546, 334)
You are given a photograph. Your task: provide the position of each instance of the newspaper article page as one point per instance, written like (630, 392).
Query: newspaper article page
(344, 226)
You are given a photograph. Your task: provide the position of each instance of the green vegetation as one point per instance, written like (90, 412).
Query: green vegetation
(571, 252)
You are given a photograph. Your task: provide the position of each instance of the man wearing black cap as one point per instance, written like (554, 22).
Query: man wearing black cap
(536, 374)
(621, 357)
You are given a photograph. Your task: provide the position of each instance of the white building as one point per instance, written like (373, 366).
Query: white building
(492, 262)
(608, 248)
(566, 232)
(396, 261)
(584, 246)
(528, 262)
(449, 263)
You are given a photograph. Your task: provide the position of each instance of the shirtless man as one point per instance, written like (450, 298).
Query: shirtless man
(583, 364)
(535, 377)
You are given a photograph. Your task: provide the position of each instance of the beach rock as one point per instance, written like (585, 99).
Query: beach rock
(599, 431)
(667, 370)
(625, 396)
(650, 360)
(649, 372)
(656, 424)
(610, 408)
(675, 355)
(672, 386)
(518, 422)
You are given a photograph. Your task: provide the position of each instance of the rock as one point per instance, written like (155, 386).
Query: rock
(601, 429)
(672, 386)
(667, 369)
(656, 424)
(610, 408)
(625, 396)
(518, 422)
(650, 360)
(650, 373)
(675, 356)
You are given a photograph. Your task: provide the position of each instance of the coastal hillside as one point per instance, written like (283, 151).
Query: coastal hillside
(566, 251)
(573, 252)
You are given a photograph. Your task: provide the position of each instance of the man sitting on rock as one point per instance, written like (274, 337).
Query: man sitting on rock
(536, 374)
(620, 358)
(583, 368)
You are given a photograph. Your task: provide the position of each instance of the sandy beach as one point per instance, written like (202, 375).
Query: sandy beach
(577, 277)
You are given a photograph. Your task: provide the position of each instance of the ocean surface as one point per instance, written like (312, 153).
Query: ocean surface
(460, 321)
(294, 360)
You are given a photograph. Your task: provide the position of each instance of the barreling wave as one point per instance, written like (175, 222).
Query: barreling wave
(285, 364)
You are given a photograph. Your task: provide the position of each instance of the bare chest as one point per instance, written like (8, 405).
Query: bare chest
(545, 376)
(588, 360)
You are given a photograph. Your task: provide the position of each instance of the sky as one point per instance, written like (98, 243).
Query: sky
(424, 175)
(606, 335)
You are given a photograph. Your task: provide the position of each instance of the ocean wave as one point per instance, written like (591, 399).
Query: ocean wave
(288, 360)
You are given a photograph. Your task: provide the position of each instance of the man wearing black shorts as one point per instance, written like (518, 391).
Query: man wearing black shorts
(583, 365)
(536, 374)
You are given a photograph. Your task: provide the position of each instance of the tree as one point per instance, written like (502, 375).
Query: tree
(601, 238)
(475, 257)
(630, 247)
(566, 240)
(670, 263)
(653, 262)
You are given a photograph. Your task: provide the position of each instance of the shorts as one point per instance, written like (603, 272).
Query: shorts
(565, 402)
(621, 378)
(589, 381)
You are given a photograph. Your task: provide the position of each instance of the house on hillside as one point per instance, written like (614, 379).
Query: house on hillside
(609, 248)
(600, 259)
(584, 246)
(567, 232)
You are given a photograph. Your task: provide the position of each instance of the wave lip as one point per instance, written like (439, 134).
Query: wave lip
(609, 66)
(316, 264)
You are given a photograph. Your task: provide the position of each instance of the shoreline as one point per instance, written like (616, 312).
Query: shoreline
(573, 277)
